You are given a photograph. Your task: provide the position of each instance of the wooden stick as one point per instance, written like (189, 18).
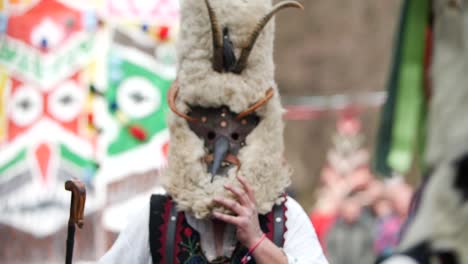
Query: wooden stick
(78, 200)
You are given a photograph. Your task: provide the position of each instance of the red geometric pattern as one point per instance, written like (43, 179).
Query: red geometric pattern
(43, 155)
(20, 27)
(14, 130)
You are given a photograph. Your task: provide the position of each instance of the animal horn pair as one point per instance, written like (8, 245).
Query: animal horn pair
(245, 53)
(174, 90)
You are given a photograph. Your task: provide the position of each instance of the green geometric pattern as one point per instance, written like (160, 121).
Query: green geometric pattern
(20, 156)
(121, 70)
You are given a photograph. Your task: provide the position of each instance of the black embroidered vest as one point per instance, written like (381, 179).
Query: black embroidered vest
(173, 240)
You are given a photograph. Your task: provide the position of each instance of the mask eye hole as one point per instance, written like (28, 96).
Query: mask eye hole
(235, 136)
(211, 135)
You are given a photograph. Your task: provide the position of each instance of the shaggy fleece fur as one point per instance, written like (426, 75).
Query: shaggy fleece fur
(186, 178)
(442, 216)
(448, 118)
(199, 84)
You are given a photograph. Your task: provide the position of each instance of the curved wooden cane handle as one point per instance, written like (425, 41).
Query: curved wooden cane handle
(78, 200)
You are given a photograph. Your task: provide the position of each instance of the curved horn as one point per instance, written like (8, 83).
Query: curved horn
(171, 98)
(257, 105)
(244, 57)
(217, 60)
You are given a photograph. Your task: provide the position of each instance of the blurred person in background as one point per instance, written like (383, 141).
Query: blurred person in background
(362, 179)
(330, 194)
(368, 188)
(387, 227)
(400, 194)
(350, 239)
(391, 209)
(372, 192)
(324, 214)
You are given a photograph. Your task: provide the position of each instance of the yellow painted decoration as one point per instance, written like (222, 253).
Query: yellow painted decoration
(89, 103)
(3, 83)
(91, 70)
(122, 118)
(15, 2)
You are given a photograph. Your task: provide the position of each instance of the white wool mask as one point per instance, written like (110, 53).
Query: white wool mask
(226, 113)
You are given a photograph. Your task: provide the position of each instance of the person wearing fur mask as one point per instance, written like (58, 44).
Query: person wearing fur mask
(437, 231)
(226, 176)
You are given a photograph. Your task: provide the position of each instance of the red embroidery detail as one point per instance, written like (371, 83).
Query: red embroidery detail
(285, 208)
(178, 239)
(188, 232)
(270, 225)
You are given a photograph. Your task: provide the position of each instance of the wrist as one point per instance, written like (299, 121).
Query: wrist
(252, 248)
(254, 239)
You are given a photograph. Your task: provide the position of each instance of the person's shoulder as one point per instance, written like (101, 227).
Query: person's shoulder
(294, 210)
(293, 205)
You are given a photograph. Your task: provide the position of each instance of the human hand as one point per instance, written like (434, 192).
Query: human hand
(246, 218)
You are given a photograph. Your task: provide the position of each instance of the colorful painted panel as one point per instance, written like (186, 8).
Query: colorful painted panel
(44, 57)
(141, 67)
(82, 95)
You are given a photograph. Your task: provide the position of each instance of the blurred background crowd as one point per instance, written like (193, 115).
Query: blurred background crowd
(357, 216)
(83, 94)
